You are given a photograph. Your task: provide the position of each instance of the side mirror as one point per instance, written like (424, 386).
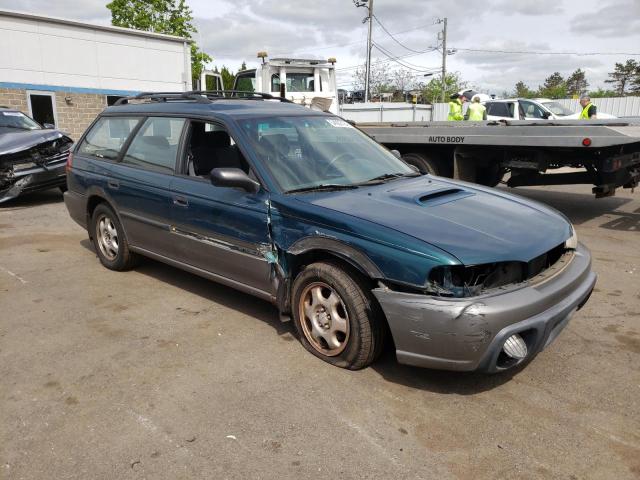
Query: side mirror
(233, 178)
(546, 115)
(397, 154)
(49, 126)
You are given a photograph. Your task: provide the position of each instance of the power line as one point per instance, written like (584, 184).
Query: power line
(380, 62)
(392, 37)
(531, 52)
(410, 66)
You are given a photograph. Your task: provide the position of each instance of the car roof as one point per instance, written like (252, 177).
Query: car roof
(230, 107)
(8, 109)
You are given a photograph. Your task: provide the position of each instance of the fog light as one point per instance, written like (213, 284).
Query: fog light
(515, 347)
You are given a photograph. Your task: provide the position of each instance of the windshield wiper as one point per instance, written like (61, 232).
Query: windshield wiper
(387, 176)
(323, 186)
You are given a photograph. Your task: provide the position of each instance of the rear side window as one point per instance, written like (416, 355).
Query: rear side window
(498, 109)
(155, 146)
(108, 135)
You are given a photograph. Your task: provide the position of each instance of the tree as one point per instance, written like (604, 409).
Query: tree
(554, 86)
(601, 93)
(577, 83)
(623, 75)
(522, 90)
(378, 78)
(432, 91)
(171, 17)
(403, 79)
(228, 78)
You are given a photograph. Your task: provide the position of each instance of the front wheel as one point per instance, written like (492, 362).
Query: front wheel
(336, 317)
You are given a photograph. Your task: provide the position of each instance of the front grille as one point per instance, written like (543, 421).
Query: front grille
(57, 157)
(544, 261)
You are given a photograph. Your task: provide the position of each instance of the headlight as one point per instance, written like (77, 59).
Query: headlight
(572, 242)
(467, 281)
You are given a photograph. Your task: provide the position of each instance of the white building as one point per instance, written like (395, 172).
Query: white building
(65, 72)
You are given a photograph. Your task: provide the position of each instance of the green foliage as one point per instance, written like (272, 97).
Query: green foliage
(602, 93)
(432, 91)
(577, 83)
(171, 17)
(625, 77)
(523, 91)
(228, 77)
(554, 86)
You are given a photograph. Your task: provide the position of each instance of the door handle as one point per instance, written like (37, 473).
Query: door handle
(113, 184)
(180, 201)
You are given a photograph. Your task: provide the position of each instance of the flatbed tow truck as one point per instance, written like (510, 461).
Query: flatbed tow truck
(606, 152)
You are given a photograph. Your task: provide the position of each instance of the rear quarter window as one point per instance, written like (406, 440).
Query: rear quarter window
(107, 136)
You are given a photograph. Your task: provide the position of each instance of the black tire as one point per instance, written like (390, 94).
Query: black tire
(363, 340)
(489, 176)
(113, 252)
(423, 163)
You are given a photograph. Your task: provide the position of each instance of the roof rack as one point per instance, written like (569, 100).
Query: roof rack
(200, 96)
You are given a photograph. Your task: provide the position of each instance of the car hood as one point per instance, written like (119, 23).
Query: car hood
(18, 140)
(475, 224)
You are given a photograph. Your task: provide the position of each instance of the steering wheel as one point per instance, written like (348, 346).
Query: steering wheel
(337, 159)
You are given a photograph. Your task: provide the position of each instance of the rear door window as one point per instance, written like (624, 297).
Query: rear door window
(108, 135)
(155, 146)
(498, 109)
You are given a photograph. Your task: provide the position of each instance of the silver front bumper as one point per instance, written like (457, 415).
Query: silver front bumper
(468, 333)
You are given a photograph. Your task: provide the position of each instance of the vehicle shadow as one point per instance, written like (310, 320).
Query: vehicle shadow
(583, 207)
(438, 381)
(387, 365)
(33, 199)
(211, 291)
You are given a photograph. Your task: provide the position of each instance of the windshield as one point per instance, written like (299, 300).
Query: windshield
(17, 120)
(307, 152)
(557, 109)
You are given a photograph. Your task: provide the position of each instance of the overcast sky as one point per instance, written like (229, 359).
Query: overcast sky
(233, 31)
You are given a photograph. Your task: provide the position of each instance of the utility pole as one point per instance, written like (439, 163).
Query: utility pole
(367, 78)
(444, 60)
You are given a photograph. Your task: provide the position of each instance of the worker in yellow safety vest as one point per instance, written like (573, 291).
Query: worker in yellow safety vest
(476, 111)
(455, 107)
(589, 110)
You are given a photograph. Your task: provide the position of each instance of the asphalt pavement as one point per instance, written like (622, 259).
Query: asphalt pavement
(159, 374)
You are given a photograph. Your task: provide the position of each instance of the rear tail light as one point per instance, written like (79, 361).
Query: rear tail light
(67, 167)
(586, 142)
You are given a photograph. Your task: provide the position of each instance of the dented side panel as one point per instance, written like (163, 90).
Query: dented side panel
(381, 253)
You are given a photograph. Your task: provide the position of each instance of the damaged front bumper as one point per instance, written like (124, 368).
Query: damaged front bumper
(469, 333)
(30, 177)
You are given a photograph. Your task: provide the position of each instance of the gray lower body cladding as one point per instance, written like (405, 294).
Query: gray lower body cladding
(468, 333)
(16, 182)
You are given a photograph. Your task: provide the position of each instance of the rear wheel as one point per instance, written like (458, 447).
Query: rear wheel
(489, 176)
(422, 162)
(110, 241)
(336, 317)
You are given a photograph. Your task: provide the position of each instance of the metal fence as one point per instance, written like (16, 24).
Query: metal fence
(386, 112)
(408, 112)
(618, 106)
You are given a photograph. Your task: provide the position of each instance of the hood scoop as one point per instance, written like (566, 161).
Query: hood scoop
(442, 195)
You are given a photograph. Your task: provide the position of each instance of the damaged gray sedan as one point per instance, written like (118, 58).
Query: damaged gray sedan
(303, 210)
(32, 157)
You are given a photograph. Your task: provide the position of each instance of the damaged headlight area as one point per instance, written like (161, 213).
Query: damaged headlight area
(459, 281)
(33, 167)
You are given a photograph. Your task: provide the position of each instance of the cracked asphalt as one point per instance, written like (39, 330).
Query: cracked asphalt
(156, 373)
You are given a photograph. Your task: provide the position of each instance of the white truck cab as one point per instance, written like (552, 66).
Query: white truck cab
(306, 81)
